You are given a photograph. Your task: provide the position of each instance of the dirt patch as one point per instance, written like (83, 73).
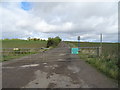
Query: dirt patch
(54, 81)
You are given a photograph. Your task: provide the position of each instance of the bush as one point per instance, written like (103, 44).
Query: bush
(33, 39)
(53, 41)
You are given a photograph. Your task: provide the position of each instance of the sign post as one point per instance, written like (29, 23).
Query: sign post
(79, 42)
(76, 50)
(100, 53)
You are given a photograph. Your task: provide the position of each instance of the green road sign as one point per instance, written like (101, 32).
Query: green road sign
(74, 51)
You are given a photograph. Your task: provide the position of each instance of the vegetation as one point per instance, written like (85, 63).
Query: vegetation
(52, 42)
(23, 44)
(34, 39)
(107, 62)
(13, 47)
(16, 46)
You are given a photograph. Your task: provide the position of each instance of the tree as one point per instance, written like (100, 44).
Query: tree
(53, 41)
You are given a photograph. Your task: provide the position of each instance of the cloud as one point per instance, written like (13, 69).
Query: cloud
(67, 20)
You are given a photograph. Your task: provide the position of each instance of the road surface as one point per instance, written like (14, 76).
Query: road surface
(56, 68)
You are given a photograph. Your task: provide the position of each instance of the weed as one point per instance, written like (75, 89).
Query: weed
(107, 62)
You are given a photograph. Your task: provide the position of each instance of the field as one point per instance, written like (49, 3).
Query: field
(106, 63)
(9, 54)
(23, 44)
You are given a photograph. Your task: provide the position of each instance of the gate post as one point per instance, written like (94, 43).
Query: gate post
(98, 51)
(78, 43)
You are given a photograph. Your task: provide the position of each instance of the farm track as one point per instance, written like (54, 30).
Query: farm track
(55, 68)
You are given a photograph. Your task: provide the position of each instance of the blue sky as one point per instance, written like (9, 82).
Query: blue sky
(67, 20)
(26, 5)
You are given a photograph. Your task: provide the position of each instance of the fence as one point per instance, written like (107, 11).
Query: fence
(11, 53)
(91, 50)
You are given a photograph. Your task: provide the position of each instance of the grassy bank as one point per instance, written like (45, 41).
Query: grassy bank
(20, 44)
(23, 44)
(106, 63)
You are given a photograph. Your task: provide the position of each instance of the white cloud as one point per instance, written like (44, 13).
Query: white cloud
(68, 20)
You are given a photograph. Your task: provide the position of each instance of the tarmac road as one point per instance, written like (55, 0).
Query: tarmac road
(56, 68)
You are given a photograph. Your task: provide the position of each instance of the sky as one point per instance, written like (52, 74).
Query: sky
(65, 19)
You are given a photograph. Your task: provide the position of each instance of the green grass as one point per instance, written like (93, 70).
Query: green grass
(9, 57)
(109, 50)
(106, 63)
(20, 44)
(23, 44)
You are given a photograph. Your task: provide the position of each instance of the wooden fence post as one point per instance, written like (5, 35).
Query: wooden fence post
(98, 51)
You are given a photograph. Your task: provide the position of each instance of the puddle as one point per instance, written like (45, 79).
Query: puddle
(74, 69)
(62, 54)
(31, 65)
(44, 63)
(60, 59)
(53, 66)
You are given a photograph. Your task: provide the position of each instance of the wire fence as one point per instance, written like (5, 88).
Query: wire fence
(11, 53)
(91, 50)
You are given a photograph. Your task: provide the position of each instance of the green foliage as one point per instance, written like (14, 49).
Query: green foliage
(20, 44)
(107, 67)
(23, 44)
(12, 56)
(53, 41)
(107, 63)
(34, 39)
(6, 39)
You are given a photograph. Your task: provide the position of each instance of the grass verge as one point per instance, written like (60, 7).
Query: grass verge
(107, 67)
(107, 63)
